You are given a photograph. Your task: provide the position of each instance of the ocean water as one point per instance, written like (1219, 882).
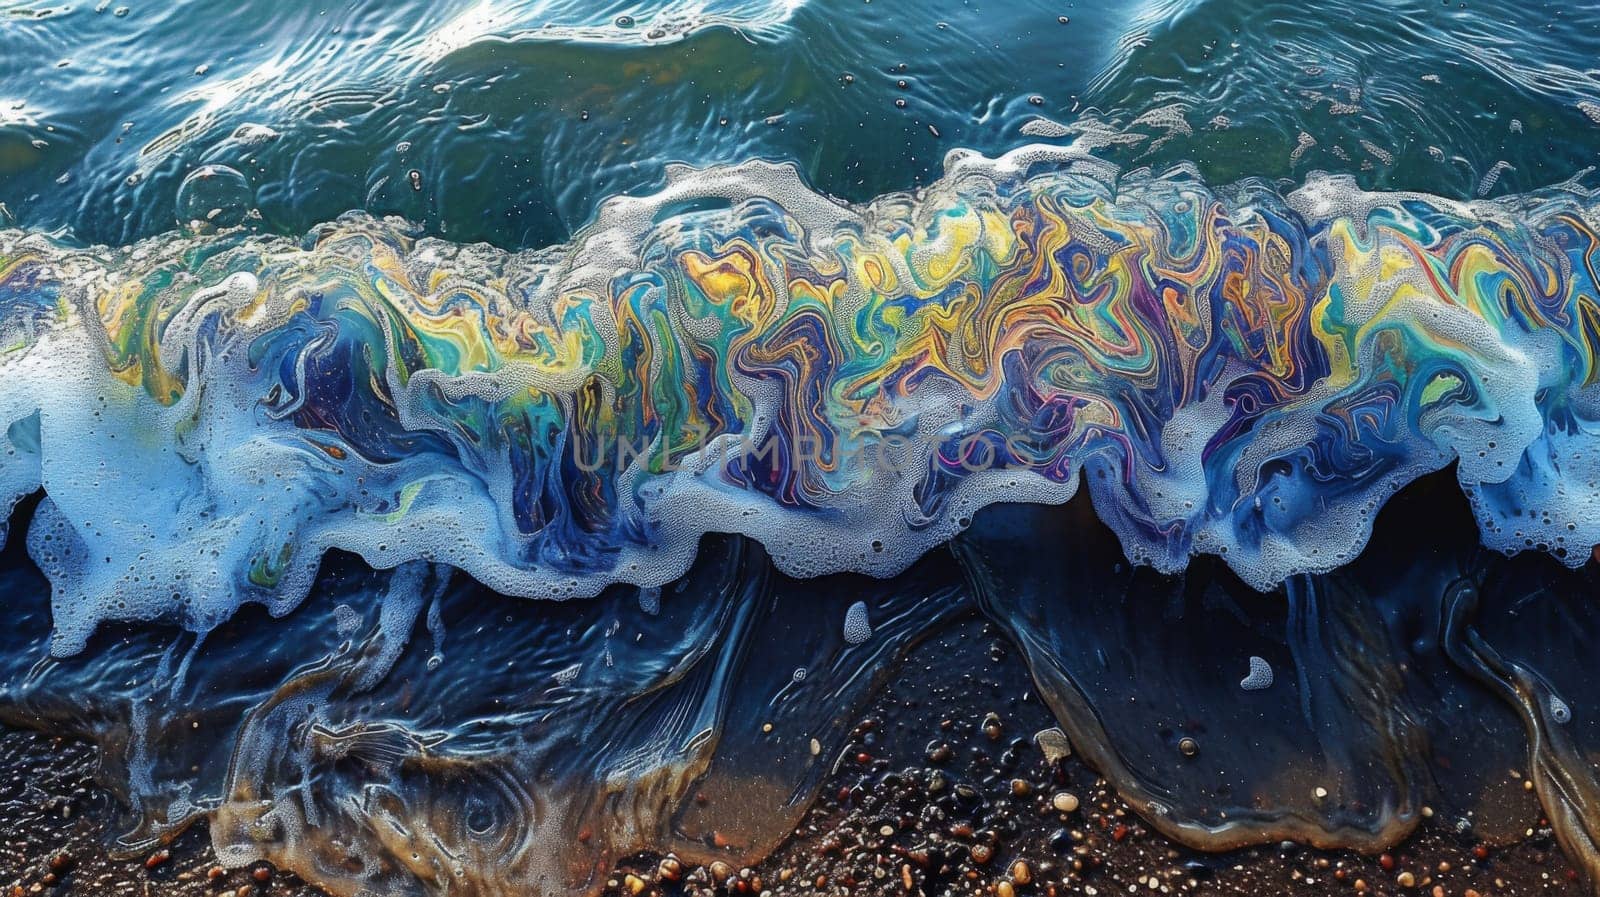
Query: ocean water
(444, 441)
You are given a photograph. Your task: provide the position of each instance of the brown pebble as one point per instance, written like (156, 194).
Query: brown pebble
(1021, 788)
(1480, 852)
(991, 726)
(244, 891)
(906, 881)
(60, 862)
(1387, 862)
(1021, 874)
(156, 859)
(633, 883)
(262, 874)
(1406, 880)
(982, 853)
(1471, 893)
(720, 871)
(215, 873)
(669, 869)
(1438, 891)
(1004, 889)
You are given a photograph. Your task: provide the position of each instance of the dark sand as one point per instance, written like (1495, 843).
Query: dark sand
(933, 796)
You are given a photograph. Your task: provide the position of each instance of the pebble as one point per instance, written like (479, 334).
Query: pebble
(156, 859)
(991, 726)
(1065, 801)
(670, 869)
(633, 883)
(1054, 745)
(1188, 747)
(1004, 889)
(1406, 880)
(982, 853)
(1021, 874)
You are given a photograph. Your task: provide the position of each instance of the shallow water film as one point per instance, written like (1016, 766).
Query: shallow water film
(704, 448)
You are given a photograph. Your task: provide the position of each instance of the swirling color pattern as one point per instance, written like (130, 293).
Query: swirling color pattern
(1232, 372)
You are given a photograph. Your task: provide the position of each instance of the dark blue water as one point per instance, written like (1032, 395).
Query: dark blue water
(508, 121)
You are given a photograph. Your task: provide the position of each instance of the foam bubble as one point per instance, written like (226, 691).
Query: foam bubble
(857, 628)
(1259, 677)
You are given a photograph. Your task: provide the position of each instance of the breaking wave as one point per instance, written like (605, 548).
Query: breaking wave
(1233, 372)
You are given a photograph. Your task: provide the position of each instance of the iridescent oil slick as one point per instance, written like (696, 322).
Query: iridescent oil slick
(457, 448)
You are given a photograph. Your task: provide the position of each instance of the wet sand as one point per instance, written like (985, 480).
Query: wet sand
(944, 789)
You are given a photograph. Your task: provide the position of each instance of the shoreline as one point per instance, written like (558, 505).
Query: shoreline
(943, 789)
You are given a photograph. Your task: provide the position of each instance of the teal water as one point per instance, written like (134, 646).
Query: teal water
(509, 121)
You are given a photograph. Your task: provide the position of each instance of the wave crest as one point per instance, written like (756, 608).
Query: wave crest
(1237, 372)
